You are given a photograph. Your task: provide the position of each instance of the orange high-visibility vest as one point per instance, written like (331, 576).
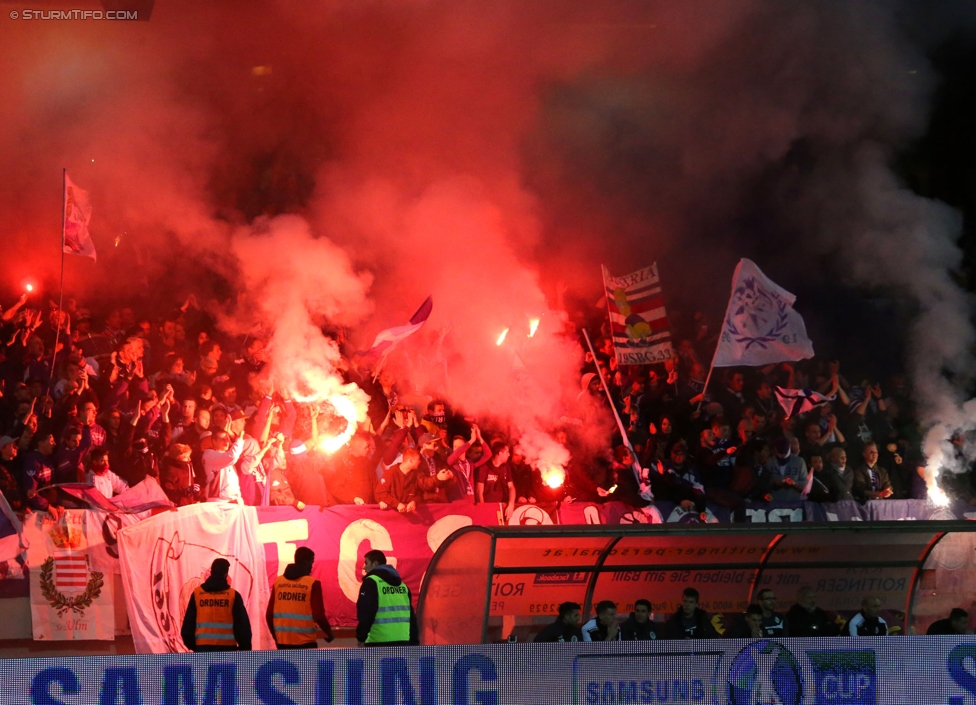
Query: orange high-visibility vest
(292, 619)
(215, 617)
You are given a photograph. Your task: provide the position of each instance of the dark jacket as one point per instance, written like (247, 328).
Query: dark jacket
(702, 627)
(627, 488)
(36, 474)
(816, 623)
(242, 625)
(395, 487)
(824, 486)
(942, 627)
(348, 476)
(632, 630)
(559, 631)
(436, 492)
(843, 483)
(369, 601)
(176, 479)
(862, 482)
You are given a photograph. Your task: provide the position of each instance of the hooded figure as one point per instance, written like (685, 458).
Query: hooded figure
(216, 619)
(383, 593)
(296, 607)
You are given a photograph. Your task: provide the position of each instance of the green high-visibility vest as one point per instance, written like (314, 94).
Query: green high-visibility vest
(392, 621)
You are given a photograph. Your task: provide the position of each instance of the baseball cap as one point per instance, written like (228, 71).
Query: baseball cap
(237, 415)
(4, 440)
(425, 439)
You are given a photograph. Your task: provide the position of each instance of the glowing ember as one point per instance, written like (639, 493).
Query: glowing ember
(501, 338)
(345, 408)
(533, 326)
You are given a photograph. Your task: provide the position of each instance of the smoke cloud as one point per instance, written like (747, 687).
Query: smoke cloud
(341, 162)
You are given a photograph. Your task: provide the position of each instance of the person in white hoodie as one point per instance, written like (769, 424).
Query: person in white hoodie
(219, 467)
(101, 476)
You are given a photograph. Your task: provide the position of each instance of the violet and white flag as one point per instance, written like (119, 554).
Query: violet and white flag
(75, 238)
(800, 401)
(760, 325)
(389, 338)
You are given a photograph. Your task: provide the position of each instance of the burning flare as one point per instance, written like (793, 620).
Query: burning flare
(553, 475)
(533, 326)
(940, 453)
(541, 451)
(501, 338)
(937, 495)
(29, 288)
(346, 409)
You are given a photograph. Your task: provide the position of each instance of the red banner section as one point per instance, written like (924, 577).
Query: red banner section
(341, 535)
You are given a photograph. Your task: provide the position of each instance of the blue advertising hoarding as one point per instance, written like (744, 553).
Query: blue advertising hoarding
(838, 671)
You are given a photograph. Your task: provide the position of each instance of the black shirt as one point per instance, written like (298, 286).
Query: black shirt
(559, 631)
(816, 623)
(496, 481)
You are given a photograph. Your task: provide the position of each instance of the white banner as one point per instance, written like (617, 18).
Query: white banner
(69, 599)
(167, 556)
(760, 324)
(102, 527)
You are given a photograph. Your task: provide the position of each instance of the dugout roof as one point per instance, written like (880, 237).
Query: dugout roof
(483, 575)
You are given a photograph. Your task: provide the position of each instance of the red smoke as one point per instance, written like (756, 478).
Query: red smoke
(477, 151)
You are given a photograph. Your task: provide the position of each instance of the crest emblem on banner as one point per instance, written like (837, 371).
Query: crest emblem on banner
(529, 515)
(757, 316)
(66, 581)
(635, 326)
(680, 515)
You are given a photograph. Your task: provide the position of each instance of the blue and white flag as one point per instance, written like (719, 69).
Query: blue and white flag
(800, 401)
(760, 325)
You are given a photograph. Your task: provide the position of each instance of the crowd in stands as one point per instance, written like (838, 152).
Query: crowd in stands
(112, 398)
(760, 620)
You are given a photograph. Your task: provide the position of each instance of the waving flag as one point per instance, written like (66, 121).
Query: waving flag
(389, 338)
(760, 324)
(800, 401)
(637, 317)
(77, 213)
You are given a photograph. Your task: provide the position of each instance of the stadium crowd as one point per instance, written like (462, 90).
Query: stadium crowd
(110, 399)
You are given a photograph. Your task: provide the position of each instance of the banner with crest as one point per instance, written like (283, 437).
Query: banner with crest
(69, 599)
(638, 320)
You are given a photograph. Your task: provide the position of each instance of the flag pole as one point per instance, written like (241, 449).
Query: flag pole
(606, 286)
(64, 208)
(718, 342)
(606, 389)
